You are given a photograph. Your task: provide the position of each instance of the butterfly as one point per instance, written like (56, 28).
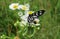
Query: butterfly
(34, 16)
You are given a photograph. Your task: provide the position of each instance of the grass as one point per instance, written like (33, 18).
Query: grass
(50, 21)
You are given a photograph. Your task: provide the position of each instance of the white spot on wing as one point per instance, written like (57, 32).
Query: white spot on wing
(40, 13)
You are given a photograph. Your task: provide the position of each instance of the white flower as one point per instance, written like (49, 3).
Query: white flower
(14, 6)
(20, 13)
(20, 6)
(36, 20)
(37, 24)
(24, 18)
(26, 13)
(27, 5)
(24, 7)
(22, 23)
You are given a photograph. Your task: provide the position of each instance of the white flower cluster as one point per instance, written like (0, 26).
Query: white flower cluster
(23, 16)
(15, 6)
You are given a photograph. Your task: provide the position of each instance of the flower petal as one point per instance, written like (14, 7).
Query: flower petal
(14, 6)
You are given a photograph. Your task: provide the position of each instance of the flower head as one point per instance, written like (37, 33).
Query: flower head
(24, 7)
(20, 13)
(36, 21)
(37, 24)
(30, 12)
(24, 18)
(14, 6)
(23, 23)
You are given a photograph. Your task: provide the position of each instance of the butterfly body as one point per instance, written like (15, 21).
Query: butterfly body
(34, 16)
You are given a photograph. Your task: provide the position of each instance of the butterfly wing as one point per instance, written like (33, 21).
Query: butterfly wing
(35, 15)
(38, 13)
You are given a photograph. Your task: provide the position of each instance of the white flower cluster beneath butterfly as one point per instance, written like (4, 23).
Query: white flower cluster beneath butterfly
(23, 17)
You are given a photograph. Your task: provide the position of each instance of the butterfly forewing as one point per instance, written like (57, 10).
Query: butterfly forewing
(38, 13)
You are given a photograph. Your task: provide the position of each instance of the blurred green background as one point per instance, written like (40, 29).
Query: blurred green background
(50, 21)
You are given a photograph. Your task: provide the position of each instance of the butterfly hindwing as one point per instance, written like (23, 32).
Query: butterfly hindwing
(30, 19)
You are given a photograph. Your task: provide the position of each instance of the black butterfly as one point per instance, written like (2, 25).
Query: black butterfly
(35, 15)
